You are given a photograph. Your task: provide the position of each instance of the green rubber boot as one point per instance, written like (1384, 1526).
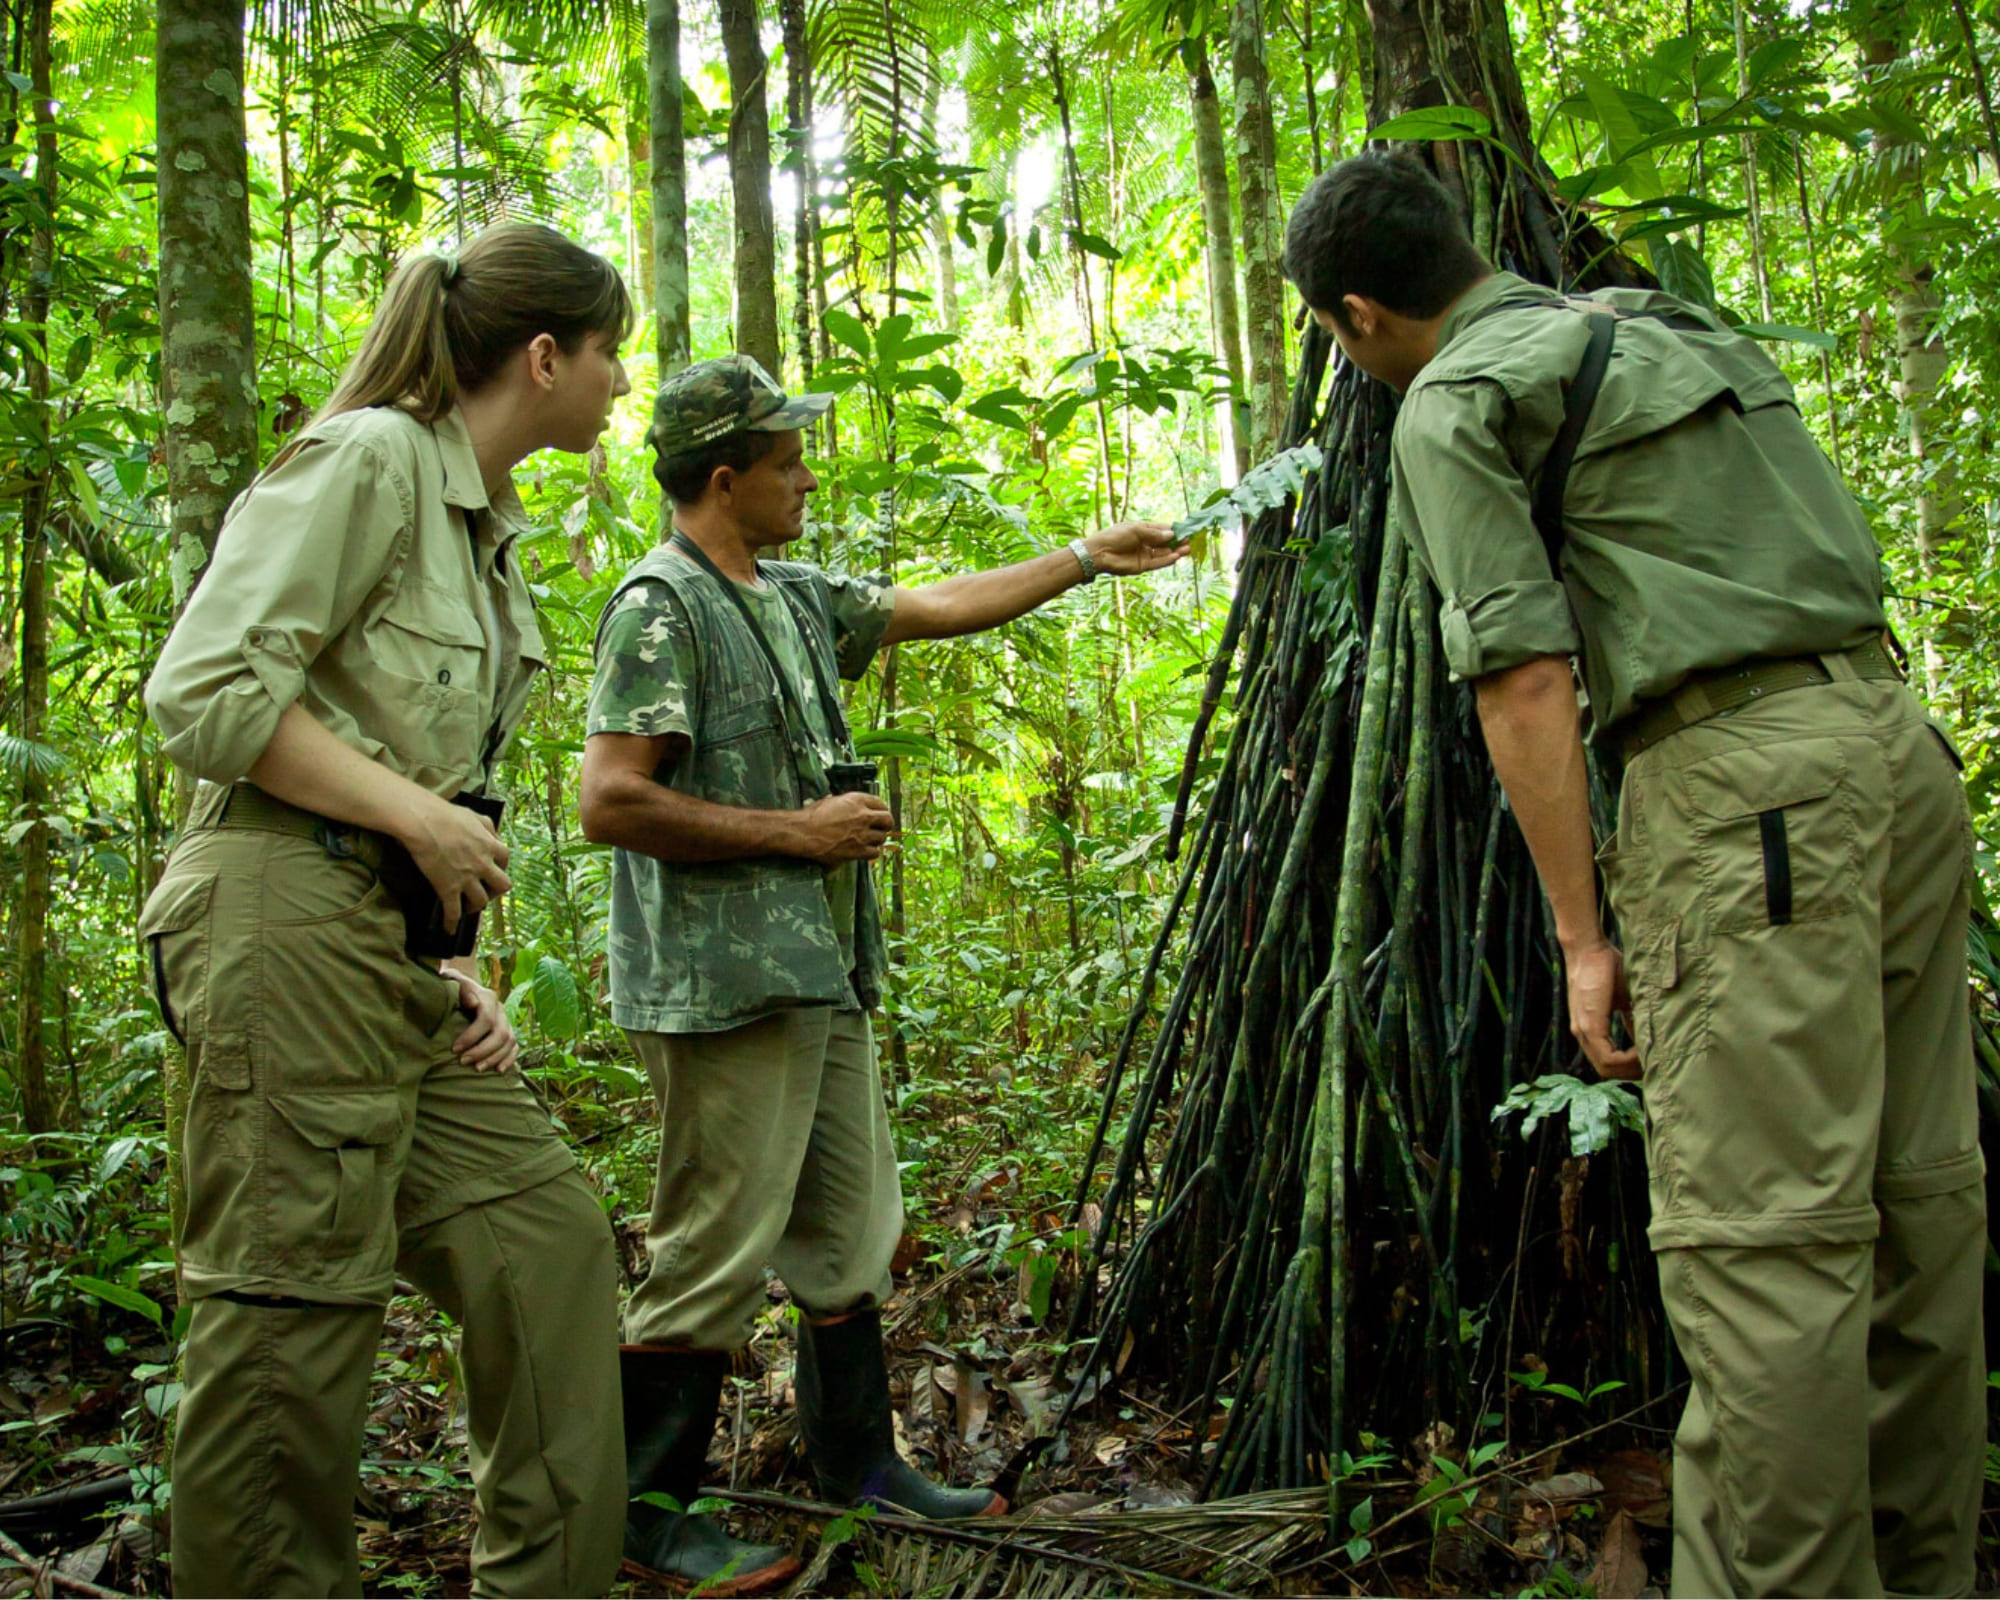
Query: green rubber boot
(671, 1397)
(843, 1390)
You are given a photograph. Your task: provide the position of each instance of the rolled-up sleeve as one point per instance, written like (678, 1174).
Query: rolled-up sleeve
(861, 610)
(292, 567)
(1461, 501)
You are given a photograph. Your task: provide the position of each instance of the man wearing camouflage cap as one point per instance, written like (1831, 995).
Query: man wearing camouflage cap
(746, 944)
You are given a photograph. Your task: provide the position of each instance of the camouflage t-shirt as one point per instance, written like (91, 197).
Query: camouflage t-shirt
(696, 947)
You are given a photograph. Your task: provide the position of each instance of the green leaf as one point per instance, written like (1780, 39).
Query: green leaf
(890, 335)
(1624, 138)
(1436, 122)
(558, 1001)
(880, 744)
(1264, 486)
(1359, 1549)
(1774, 58)
(998, 408)
(1595, 1110)
(1682, 272)
(848, 330)
(1790, 333)
(24, 756)
(1095, 245)
(996, 250)
(1362, 1517)
(948, 383)
(116, 1294)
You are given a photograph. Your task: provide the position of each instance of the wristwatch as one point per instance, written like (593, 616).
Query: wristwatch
(1081, 551)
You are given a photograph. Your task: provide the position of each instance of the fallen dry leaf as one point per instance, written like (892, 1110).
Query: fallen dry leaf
(1566, 1488)
(1620, 1573)
(1110, 1449)
(1638, 1481)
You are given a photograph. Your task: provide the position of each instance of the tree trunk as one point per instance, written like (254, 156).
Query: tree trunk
(208, 373)
(1211, 159)
(639, 181)
(944, 265)
(1921, 359)
(31, 1073)
(750, 183)
(667, 180)
(1263, 234)
(805, 208)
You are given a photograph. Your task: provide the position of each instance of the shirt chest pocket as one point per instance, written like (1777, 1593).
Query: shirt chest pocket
(423, 656)
(429, 636)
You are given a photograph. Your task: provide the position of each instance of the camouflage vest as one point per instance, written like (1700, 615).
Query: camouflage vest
(697, 947)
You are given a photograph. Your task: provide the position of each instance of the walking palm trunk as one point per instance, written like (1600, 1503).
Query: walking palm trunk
(750, 183)
(1336, 1231)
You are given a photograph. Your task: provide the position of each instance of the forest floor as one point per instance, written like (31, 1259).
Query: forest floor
(1108, 1507)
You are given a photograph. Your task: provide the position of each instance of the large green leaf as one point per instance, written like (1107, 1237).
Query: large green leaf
(116, 1294)
(1624, 138)
(1436, 122)
(848, 329)
(1790, 333)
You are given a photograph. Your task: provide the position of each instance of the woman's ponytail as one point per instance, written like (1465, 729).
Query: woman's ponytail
(448, 322)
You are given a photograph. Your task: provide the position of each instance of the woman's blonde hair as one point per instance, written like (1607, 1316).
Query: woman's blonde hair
(448, 322)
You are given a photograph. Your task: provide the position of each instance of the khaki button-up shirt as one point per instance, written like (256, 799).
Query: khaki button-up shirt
(369, 576)
(1702, 525)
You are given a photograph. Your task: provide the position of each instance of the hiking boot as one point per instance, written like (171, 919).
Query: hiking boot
(843, 1390)
(671, 1399)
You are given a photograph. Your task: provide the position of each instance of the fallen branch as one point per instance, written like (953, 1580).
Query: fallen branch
(951, 1533)
(47, 1572)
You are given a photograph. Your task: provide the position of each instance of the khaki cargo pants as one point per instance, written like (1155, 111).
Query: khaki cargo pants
(774, 1148)
(332, 1141)
(1791, 887)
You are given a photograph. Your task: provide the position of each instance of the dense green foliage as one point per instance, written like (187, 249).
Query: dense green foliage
(1007, 287)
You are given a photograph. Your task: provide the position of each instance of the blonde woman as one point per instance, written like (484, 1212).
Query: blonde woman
(350, 669)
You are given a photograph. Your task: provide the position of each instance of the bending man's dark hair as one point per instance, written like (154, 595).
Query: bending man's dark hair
(1379, 225)
(684, 478)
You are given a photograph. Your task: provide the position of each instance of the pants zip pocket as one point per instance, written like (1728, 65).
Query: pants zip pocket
(1777, 866)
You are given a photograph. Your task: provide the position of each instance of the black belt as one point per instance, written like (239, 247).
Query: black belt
(1710, 694)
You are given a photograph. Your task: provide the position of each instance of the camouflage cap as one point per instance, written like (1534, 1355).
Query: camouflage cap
(713, 399)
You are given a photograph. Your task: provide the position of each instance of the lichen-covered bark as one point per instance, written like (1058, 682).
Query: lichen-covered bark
(668, 181)
(208, 377)
(1211, 160)
(750, 184)
(1263, 234)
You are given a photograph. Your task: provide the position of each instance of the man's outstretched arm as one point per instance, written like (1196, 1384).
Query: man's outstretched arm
(981, 600)
(1535, 738)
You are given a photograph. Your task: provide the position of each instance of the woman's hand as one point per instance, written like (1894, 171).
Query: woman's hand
(487, 1044)
(460, 852)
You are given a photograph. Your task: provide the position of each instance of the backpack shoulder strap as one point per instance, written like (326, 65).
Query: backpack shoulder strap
(1578, 400)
